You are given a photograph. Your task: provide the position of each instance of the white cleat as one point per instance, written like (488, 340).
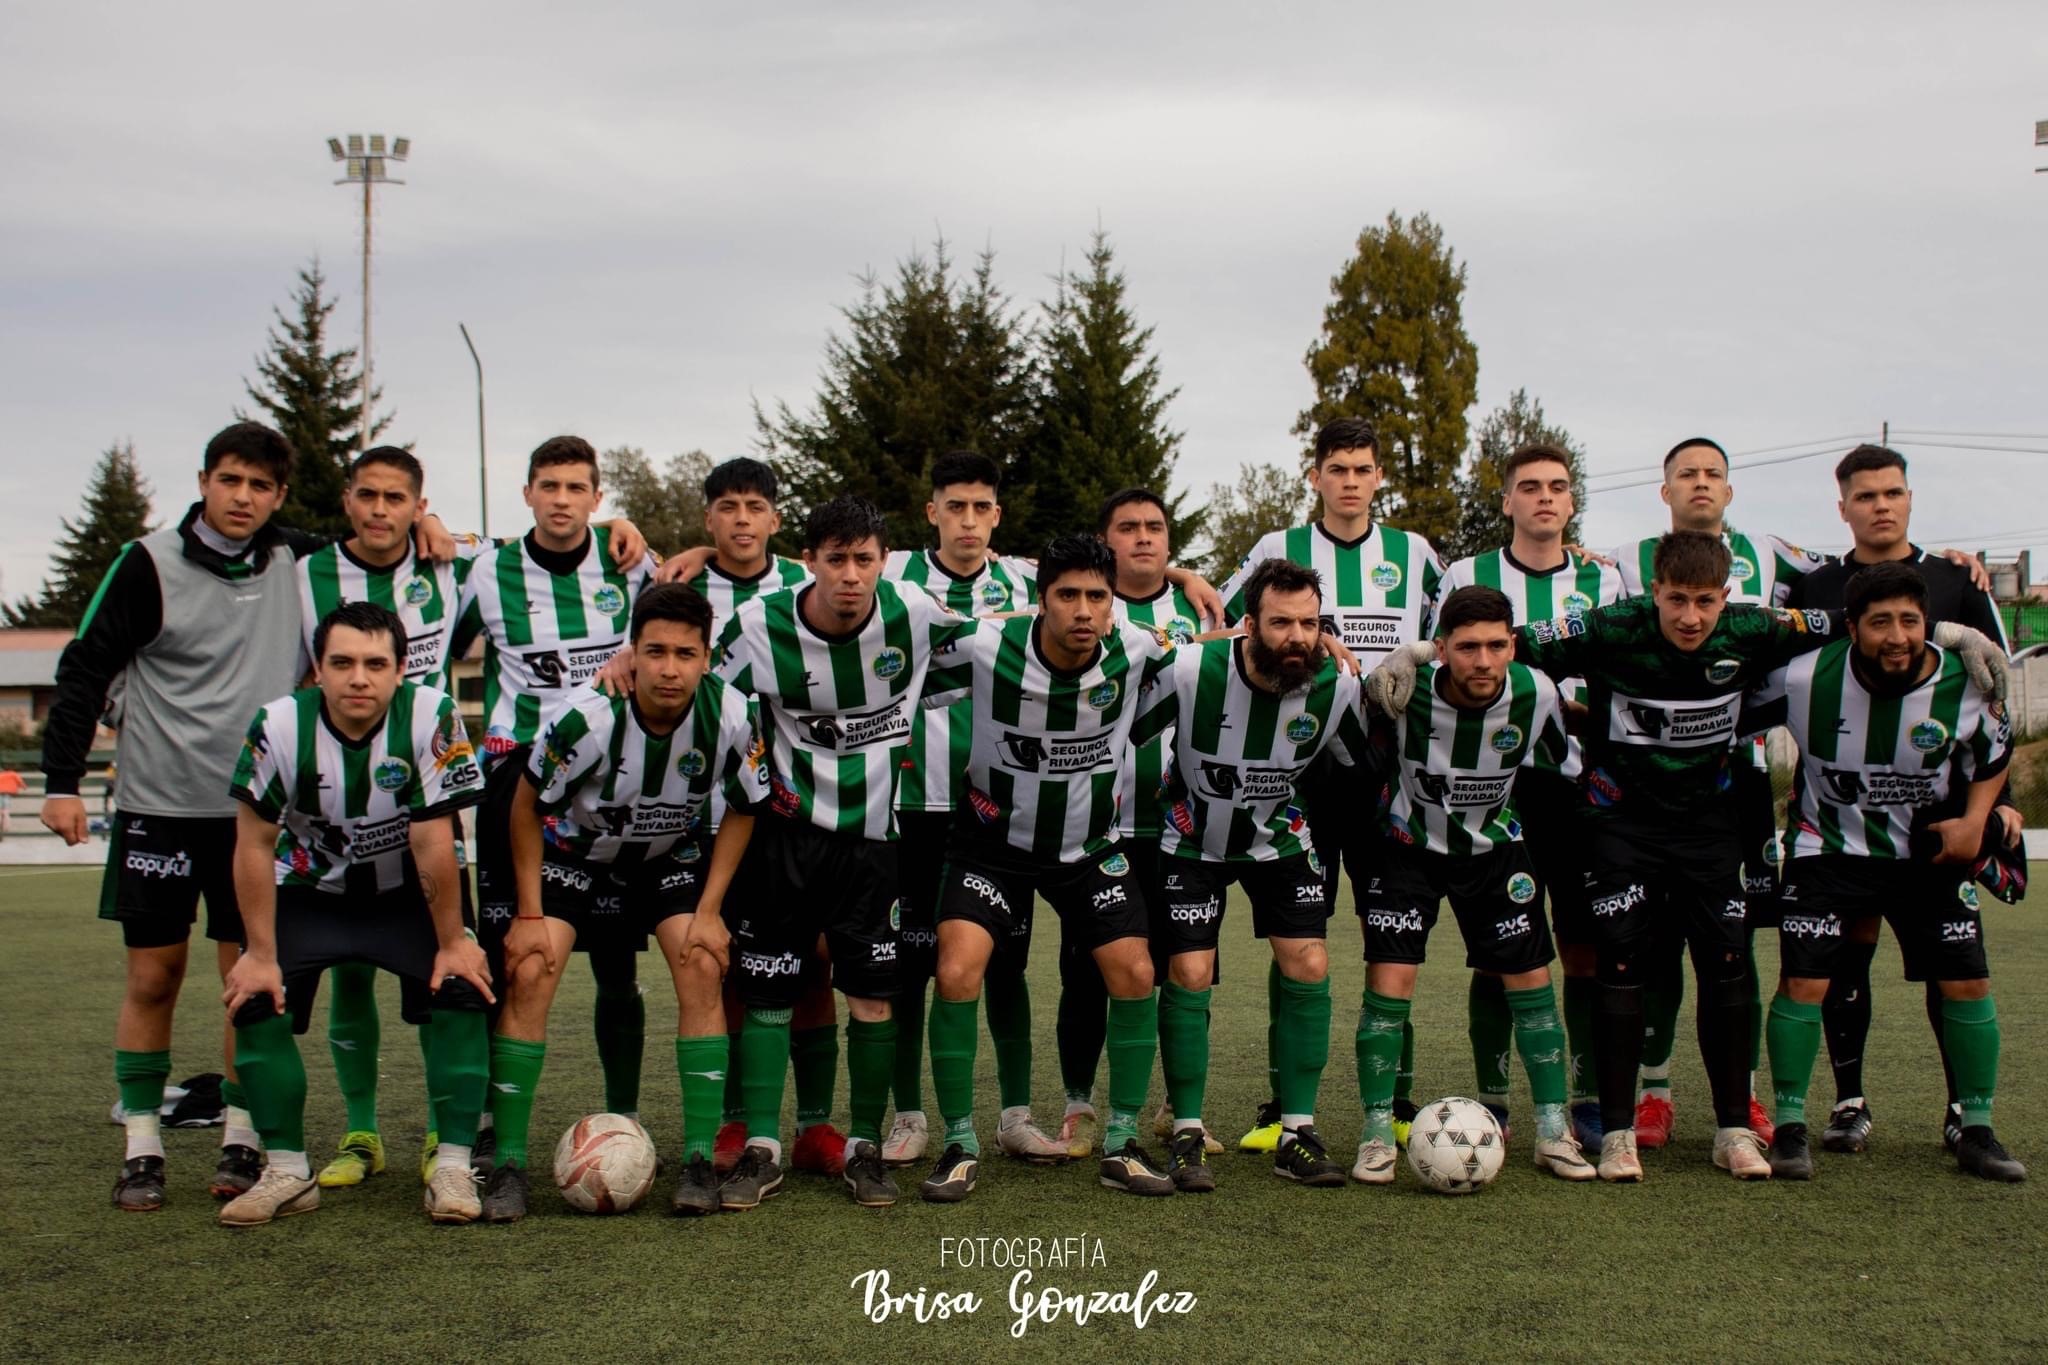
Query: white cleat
(274, 1195)
(1618, 1160)
(1025, 1140)
(1739, 1152)
(1376, 1161)
(1564, 1158)
(451, 1196)
(907, 1140)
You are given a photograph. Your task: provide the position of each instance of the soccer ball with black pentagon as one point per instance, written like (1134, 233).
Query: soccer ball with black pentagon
(1456, 1146)
(604, 1164)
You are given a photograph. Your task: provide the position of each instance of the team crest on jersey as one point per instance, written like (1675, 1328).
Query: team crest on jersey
(690, 763)
(1180, 630)
(1303, 728)
(1576, 604)
(418, 592)
(895, 916)
(1521, 888)
(1115, 865)
(1315, 864)
(1723, 671)
(1742, 571)
(994, 594)
(1103, 694)
(688, 853)
(1507, 739)
(608, 600)
(1386, 575)
(1928, 736)
(1967, 894)
(392, 774)
(1774, 850)
(888, 663)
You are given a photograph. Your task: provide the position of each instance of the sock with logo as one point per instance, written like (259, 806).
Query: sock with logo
(621, 1025)
(1539, 1037)
(1082, 1024)
(1304, 1045)
(1579, 992)
(1970, 1038)
(814, 1065)
(955, 1036)
(353, 1037)
(1382, 1020)
(1008, 1002)
(1490, 1024)
(274, 1081)
(1794, 1040)
(701, 1067)
(1133, 1034)
(458, 1044)
(908, 1085)
(764, 1059)
(1845, 1016)
(870, 1057)
(1183, 1050)
(515, 1074)
(140, 1078)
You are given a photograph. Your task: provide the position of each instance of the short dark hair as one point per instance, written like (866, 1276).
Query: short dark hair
(1536, 452)
(1472, 605)
(1115, 502)
(845, 518)
(390, 457)
(1346, 433)
(739, 475)
(1691, 559)
(1279, 575)
(965, 466)
(367, 617)
(1867, 457)
(254, 444)
(672, 602)
(559, 450)
(1883, 582)
(1074, 553)
(1689, 443)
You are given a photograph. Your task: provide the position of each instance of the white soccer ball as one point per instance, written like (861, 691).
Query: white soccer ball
(605, 1164)
(1456, 1147)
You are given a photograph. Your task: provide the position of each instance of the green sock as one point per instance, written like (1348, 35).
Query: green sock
(515, 1075)
(1008, 1003)
(140, 1077)
(764, 1058)
(274, 1081)
(1382, 1021)
(908, 1085)
(1184, 1049)
(1794, 1037)
(1273, 979)
(1539, 1037)
(870, 1058)
(621, 1022)
(700, 1066)
(1578, 1033)
(231, 1093)
(1490, 1024)
(1756, 1007)
(735, 1091)
(1404, 1076)
(954, 1036)
(814, 1062)
(1133, 1038)
(1969, 1034)
(458, 1044)
(353, 1037)
(1662, 997)
(1304, 1042)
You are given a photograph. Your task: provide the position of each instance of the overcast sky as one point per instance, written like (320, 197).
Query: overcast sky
(1773, 224)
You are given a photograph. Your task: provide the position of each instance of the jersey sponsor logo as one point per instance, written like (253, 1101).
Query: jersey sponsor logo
(1507, 739)
(1308, 893)
(1810, 926)
(1576, 604)
(1959, 930)
(544, 667)
(498, 739)
(857, 730)
(888, 662)
(690, 763)
(1459, 790)
(1673, 724)
(1757, 882)
(422, 655)
(647, 819)
(1103, 695)
(1396, 921)
(771, 965)
(1881, 787)
(986, 889)
(984, 806)
(1385, 575)
(391, 774)
(1108, 896)
(1371, 632)
(1723, 671)
(1196, 912)
(374, 838)
(1230, 782)
(1115, 865)
(1303, 728)
(1628, 898)
(1035, 753)
(167, 866)
(1735, 909)
(1521, 888)
(608, 600)
(418, 591)
(1929, 736)
(1516, 926)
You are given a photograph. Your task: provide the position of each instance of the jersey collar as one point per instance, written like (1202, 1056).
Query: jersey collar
(1063, 674)
(341, 548)
(711, 567)
(931, 557)
(1507, 553)
(1371, 529)
(805, 621)
(327, 723)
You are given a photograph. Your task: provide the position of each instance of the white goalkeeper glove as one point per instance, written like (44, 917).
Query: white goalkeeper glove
(1390, 685)
(1982, 659)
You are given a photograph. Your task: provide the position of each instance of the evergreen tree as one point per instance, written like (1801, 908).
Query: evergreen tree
(313, 396)
(1480, 526)
(116, 511)
(1266, 497)
(1393, 350)
(667, 504)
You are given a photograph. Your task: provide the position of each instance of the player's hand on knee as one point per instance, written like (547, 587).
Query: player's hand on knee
(253, 975)
(1982, 659)
(64, 816)
(464, 961)
(527, 936)
(709, 934)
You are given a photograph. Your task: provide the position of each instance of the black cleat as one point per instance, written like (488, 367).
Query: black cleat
(239, 1170)
(1951, 1126)
(483, 1153)
(867, 1179)
(952, 1180)
(505, 1195)
(756, 1176)
(1979, 1153)
(1304, 1160)
(1790, 1156)
(1130, 1170)
(1848, 1128)
(696, 1188)
(1188, 1163)
(141, 1186)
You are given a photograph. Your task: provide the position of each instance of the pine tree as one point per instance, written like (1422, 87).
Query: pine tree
(667, 504)
(116, 511)
(313, 396)
(1480, 526)
(1393, 350)
(1265, 498)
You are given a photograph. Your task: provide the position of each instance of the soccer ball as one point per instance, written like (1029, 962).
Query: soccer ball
(1456, 1146)
(604, 1164)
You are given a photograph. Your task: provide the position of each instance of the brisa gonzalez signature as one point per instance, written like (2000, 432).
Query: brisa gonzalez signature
(1030, 1305)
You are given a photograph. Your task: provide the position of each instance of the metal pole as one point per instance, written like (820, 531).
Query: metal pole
(483, 461)
(364, 434)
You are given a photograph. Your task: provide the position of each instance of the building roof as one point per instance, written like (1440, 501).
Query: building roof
(28, 658)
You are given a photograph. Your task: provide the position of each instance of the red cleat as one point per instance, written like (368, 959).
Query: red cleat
(1653, 1121)
(820, 1149)
(1760, 1122)
(727, 1146)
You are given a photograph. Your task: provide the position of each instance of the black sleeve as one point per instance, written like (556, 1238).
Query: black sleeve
(303, 543)
(124, 616)
(1979, 612)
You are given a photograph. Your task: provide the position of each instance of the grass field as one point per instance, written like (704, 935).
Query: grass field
(1891, 1254)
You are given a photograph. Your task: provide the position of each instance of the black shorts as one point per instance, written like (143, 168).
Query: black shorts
(1341, 805)
(1099, 900)
(1495, 896)
(393, 930)
(158, 866)
(616, 908)
(1756, 816)
(1666, 878)
(923, 840)
(497, 882)
(1933, 909)
(797, 883)
(1288, 901)
(1548, 807)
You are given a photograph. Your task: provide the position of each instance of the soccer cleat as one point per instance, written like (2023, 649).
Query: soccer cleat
(140, 1188)
(757, 1175)
(1564, 1158)
(867, 1179)
(239, 1170)
(727, 1146)
(505, 1195)
(1377, 1159)
(1265, 1133)
(362, 1156)
(820, 1149)
(1951, 1126)
(1079, 1132)
(274, 1195)
(952, 1180)
(1979, 1153)
(1130, 1170)
(696, 1188)
(1654, 1117)
(430, 1152)
(1500, 1117)
(1587, 1125)
(1738, 1152)
(1021, 1138)
(906, 1141)
(1404, 1121)
(1760, 1122)
(1848, 1128)
(483, 1153)
(1790, 1156)
(451, 1196)
(1187, 1161)
(1618, 1160)
(1307, 1162)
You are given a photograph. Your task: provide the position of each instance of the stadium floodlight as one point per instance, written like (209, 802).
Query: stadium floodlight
(363, 164)
(334, 149)
(2040, 139)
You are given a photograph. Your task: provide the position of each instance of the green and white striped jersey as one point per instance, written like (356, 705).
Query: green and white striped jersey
(544, 632)
(1048, 747)
(1762, 574)
(1004, 584)
(616, 794)
(1572, 589)
(345, 803)
(1144, 777)
(1871, 767)
(1376, 589)
(426, 596)
(727, 593)
(1239, 750)
(838, 710)
(1454, 769)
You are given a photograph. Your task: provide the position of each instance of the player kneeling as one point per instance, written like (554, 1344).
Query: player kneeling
(344, 853)
(630, 788)
(1475, 720)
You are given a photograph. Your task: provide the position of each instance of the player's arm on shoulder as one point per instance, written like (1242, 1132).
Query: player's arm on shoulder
(1159, 696)
(1565, 647)
(1207, 602)
(1787, 634)
(1769, 704)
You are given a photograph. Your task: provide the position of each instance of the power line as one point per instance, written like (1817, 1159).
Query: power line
(1658, 478)
(1960, 445)
(1987, 435)
(1658, 468)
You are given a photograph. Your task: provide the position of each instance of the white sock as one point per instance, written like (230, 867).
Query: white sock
(1290, 1122)
(145, 1135)
(450, 1157)
(1016, 1113)
(1181, 1125)
(774, 1145)
(851, 1143)
(483, 1123)
(240, 1130)
(292, 1163)
(1849, 1103)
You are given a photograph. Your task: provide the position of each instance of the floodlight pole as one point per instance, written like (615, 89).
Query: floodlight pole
(363, 426)
(364, 160)
(483, 460)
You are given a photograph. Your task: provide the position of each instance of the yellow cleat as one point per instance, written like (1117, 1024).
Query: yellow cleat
(430, 1149)
(1404, 1120)
(362, 1156)
(1265, 1135)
